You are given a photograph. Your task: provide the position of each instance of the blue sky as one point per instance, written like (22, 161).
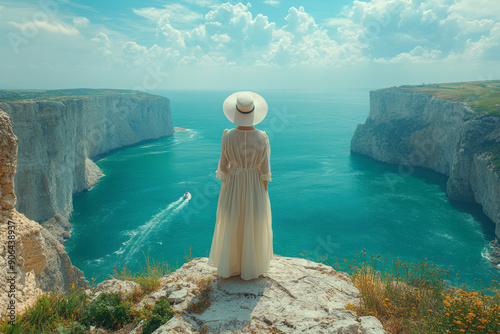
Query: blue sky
(210, 44)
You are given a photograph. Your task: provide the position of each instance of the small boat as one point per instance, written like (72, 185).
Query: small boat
(187, 194)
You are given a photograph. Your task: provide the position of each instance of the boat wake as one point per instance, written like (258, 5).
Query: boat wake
(139, 236)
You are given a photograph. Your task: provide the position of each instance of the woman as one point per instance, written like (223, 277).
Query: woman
(243, 239)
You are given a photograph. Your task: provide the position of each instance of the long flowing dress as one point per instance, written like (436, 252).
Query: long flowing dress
(242, 243)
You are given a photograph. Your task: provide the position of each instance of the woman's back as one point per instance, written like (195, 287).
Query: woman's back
(245, 148)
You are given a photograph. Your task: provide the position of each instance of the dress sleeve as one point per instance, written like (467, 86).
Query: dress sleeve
(265, 165)
(221, 172)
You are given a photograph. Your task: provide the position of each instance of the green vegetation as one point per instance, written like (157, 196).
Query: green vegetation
(482, 96)
(108, 310)
(408, 298)
(161, 314)
(67, 94)
(50, 314)
(74, 312)
(147, 277)
(418, 298)
(493, 148)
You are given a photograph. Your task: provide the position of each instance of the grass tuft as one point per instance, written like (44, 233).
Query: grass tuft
(418, 298)
(74, 312)
(161, 314)
(50, 312)
(148, 277)
(108, 310)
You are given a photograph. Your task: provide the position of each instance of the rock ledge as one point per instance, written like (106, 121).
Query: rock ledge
(296, 296)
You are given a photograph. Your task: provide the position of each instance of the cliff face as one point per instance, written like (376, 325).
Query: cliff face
(58, 139)
(414, 129)
(22, 246)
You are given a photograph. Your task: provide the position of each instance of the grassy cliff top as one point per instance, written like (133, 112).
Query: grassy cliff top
(66, 94)
(482, 96)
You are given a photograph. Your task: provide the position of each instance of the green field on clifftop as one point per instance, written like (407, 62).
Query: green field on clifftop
(482, 96)
(65, 94)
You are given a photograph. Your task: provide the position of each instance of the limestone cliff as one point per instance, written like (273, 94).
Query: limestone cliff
(59, 136)
(60, 274)
(296, 296)
(58, 139)
(411, 127)
(22, 246)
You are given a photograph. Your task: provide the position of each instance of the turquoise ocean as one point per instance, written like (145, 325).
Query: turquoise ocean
(324, 201)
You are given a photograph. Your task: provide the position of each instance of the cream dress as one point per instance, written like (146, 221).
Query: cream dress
(243, 239)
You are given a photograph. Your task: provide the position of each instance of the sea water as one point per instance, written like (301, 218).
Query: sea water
(325, 201)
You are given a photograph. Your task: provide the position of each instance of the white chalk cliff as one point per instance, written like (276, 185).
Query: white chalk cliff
(59, 139)
(57, 142)
(414, 129)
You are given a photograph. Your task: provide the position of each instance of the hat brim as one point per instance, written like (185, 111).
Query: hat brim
(253, 118)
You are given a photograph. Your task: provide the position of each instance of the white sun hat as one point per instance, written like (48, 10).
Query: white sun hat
(245, 108)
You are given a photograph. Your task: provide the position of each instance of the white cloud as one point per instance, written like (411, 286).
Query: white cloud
(81, 21)
(176, 13)
(487, 48)
(417, 55)
(478, 26)
(336, 22)
(402, 30)
(272, 2)
(315, 49)
(173, 37)
(382, 31)
(476, 9)
(205, 36)
(56, 28)
(151, 13)
(299, 23)
(104, 44)
(232, 34)
(246, 35)
(132, 50)
(223, 39)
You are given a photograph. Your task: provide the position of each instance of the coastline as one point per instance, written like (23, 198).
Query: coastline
(422, 126)
(59, 138)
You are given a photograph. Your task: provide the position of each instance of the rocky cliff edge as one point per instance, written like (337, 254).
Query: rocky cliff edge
(415, 129)
(22, 246)
(296, 296)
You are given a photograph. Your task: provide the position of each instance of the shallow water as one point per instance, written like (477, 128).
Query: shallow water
(324, 201)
